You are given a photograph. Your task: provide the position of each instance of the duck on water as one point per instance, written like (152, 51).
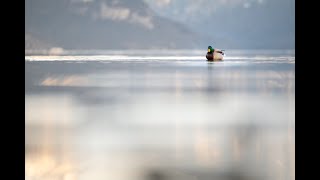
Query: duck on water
(214, 54)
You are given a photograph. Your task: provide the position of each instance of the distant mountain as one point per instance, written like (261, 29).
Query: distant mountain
(245, 23)
(140, 24)
(103, 24)
(35, 43)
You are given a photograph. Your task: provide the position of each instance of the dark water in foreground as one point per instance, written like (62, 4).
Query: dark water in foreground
(160, 117)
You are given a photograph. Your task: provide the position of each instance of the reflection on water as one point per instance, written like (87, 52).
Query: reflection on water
(160, 120)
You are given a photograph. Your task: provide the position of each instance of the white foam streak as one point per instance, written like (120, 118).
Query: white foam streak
(108, 58)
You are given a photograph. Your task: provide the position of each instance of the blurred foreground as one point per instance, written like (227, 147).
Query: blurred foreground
(173, 118)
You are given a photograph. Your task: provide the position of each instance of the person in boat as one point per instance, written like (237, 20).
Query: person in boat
(210, 53)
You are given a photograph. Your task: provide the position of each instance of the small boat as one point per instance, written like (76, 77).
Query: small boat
(215, 56)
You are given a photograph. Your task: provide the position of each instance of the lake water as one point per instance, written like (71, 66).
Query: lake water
(160, 115)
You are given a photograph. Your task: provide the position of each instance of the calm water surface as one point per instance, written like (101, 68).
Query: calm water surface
(163, 115)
